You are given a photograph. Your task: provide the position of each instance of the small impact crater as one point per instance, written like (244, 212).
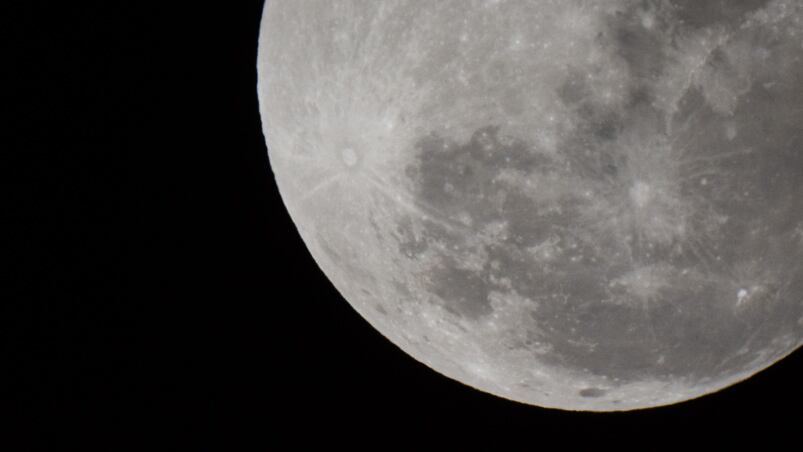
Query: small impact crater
(349, 157)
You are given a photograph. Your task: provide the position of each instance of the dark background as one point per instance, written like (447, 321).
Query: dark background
(156, 287)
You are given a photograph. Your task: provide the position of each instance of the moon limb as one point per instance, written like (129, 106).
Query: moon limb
(527, 199)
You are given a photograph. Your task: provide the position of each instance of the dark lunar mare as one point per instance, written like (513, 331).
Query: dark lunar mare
(691, 328)
(705, 13)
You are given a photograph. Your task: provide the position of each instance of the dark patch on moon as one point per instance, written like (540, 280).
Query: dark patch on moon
(454, 179)
(705, 13)
(462, 181)
(641, 48)
(574, 88)
(592, 392)
(411, 244)
(466, 292)
(600, 123)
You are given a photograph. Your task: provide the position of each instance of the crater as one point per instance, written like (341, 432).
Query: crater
(349, 157)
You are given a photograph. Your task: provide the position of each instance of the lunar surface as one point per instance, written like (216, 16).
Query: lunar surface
(577, 204)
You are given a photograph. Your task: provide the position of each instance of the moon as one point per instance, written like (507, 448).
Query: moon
(575, 204)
